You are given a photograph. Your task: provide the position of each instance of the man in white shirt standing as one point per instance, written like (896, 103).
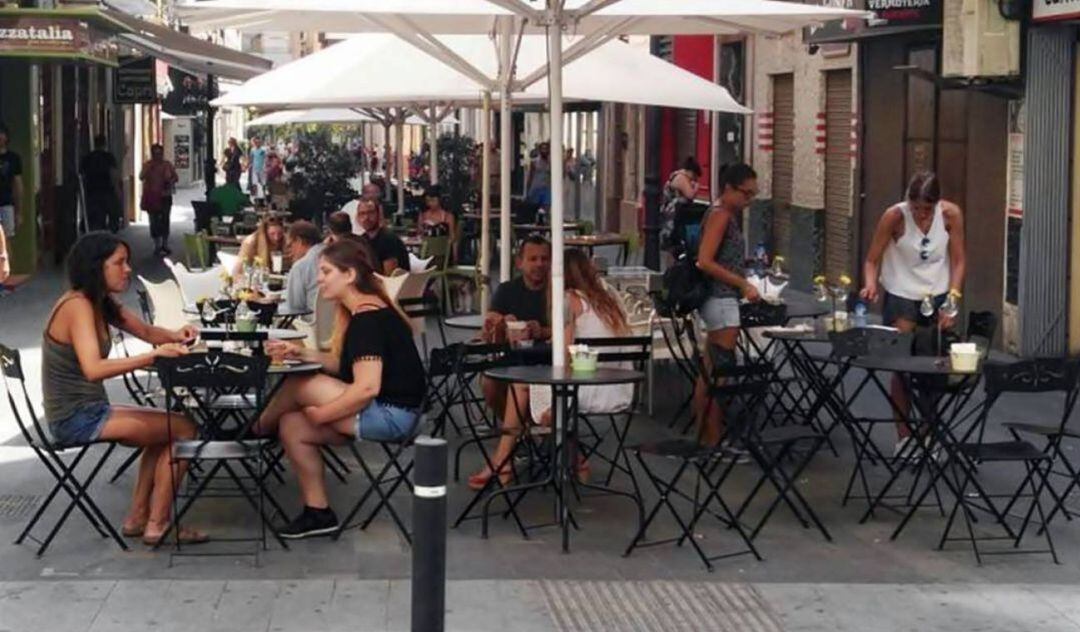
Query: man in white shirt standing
(303, 244)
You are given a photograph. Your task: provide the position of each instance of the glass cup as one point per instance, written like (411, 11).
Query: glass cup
(276, 262)
(517, 333)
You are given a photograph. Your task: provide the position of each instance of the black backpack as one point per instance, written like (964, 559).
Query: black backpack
(686, 286)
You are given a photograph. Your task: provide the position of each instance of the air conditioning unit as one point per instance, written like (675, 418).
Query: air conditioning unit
(978, 41)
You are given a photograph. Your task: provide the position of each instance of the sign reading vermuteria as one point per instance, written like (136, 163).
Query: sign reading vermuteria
(60, 36)
(1048, 10)
(136, 80)
(890, 16)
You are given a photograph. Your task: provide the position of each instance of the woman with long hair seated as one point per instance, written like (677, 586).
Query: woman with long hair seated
(594, 312)
(268, 238)
(75, 364)
(372, 388)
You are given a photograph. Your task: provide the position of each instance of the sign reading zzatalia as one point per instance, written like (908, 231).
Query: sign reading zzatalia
(1047, 10)
(60, 36)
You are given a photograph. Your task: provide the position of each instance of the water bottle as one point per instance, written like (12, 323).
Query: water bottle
(859, 319)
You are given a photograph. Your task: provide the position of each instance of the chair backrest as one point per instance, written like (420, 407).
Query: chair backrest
(12, 371)
(870, 341)
(197, 285)
(167, 302)
(437, 247)
(204, 211)
(393, 283)
(743, 391)
(419, 308)
(145, 306)
(1040, 375)
(227, 260)
(350, 207)
(477, 357)
(325, 311)
(981, 327)
(196, 250)
(417, 265)
(633, 349)
(213, 370)
(762, 314)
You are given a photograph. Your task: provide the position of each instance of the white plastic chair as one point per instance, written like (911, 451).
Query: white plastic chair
(196, 285)
(227, 259)
(416, 264)
(321, 330)
(167, 302)
(414, 287)
(350, 208)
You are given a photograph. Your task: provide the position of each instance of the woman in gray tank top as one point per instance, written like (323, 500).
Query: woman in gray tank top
(75, 365)
(720, 258)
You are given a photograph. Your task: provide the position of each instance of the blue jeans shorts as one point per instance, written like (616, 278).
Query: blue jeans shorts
(720, 313)
(83, 427)
(385, 422)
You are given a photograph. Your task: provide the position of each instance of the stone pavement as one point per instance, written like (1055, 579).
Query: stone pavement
(860, 581)
(350, 605)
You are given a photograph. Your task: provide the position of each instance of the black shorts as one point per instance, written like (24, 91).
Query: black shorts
(896, 307)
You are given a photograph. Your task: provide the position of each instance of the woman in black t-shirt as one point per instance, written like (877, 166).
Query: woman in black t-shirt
(372, 388)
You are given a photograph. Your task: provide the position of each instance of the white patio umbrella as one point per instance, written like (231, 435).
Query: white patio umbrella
(598, 21)
(324, 115)
(395, 71)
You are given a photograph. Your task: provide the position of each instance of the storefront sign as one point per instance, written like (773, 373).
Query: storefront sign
(1014, 186)
(1047, 10)
(891, 16)
(136, 80)
(188, 94)
(62, 36)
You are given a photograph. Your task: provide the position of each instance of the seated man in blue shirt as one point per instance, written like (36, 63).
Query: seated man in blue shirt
(303, 243)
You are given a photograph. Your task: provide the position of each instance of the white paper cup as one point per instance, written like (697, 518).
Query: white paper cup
(276, 262)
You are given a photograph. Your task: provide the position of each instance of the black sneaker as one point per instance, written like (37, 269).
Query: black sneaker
(311, 523)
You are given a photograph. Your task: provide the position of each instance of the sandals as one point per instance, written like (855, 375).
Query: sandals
(132, 532)
(480, 480)
(187, 536)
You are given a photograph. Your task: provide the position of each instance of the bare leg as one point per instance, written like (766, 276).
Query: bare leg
(494, 394)
(284, 401)
(152, 497)
(710, 414)
(517, 407)
(897, 391)
(302, 440)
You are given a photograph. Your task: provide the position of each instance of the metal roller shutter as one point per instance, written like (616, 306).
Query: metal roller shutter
(838, 125)
(783, 166)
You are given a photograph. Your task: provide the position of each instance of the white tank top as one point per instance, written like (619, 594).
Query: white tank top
(917, 264)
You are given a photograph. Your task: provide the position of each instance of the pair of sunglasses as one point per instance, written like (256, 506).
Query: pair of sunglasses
(924, 248)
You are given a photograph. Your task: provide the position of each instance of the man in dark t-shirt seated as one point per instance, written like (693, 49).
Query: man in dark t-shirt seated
(389, 249)
(523, 299)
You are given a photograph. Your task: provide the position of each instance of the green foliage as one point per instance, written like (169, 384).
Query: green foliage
(321, 181)
(458, 164)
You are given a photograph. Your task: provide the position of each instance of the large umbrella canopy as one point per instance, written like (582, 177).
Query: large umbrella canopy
(396, 73)
(326, 115)
(446, 17)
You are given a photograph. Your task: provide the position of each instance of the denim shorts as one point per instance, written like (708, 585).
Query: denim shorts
(720, 313)
(385, 422)
(83, 427)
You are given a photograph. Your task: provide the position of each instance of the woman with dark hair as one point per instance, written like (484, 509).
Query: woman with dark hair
(917, 252)
(75, 365)
(594, 312)
(680, 190)
(372, 389)
(434, 219)
(720, 258)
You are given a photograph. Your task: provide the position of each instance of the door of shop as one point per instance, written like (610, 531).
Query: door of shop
(838, 173)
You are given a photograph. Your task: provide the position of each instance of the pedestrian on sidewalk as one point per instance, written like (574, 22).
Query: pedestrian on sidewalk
(232, 163)
(11, 188)
(101, 182)
(159, 181)
(257, 169)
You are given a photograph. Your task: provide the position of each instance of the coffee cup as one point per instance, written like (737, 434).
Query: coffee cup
(517, 333)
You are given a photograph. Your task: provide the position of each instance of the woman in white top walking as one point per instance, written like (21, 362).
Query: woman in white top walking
(917, 251)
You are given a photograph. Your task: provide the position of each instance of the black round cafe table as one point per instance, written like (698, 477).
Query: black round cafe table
(564, 383)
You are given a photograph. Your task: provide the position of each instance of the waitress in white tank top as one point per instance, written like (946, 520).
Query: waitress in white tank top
(918, 250)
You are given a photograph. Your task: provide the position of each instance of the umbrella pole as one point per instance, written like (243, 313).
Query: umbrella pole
(402, 162)
(505, 153)
(433, 131)
(558, 318)
(485, 202)
(386, 157)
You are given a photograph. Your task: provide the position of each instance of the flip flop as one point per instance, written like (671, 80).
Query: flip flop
(187, 536)
(132, 532)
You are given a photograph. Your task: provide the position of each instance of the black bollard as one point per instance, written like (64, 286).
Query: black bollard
(429, 536)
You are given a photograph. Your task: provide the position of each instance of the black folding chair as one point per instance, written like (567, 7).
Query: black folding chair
(424, 307)
(202, 378)
(636, 351)
(1028, 376)
(675, 329)
(706, 465)
(76, 486)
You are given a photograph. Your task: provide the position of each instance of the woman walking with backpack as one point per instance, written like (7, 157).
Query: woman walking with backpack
(720, 259)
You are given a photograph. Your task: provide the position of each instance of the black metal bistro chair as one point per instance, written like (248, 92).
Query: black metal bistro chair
(193, 382)
(1029, 376)
(75, 485)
